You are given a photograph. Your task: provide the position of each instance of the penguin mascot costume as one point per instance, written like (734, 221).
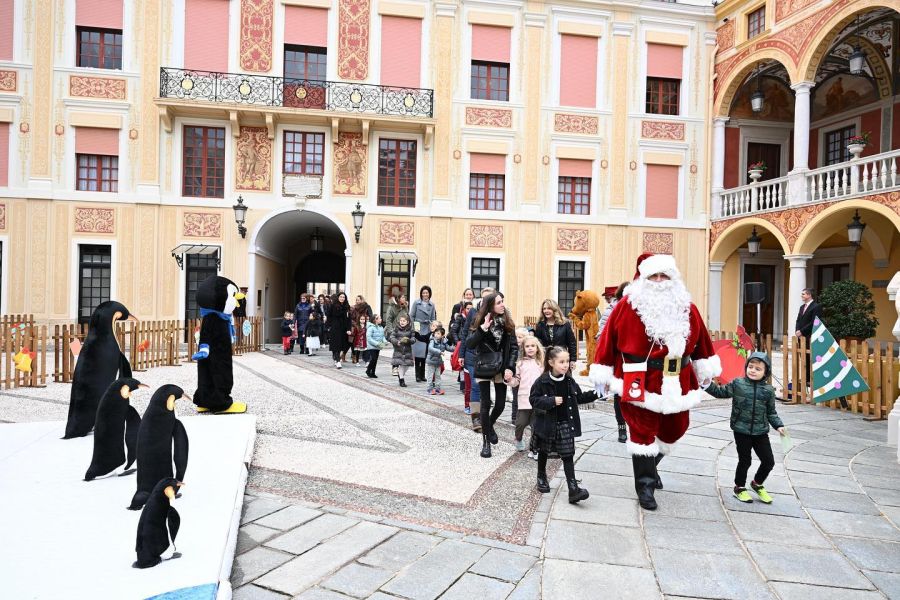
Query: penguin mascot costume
(158, 526)
(116, 420)
(158, 432)
(98, 363)
(217, 297)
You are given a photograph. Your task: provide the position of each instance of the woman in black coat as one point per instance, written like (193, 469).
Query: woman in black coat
(555, 330)
(341, 327)
(492, 337)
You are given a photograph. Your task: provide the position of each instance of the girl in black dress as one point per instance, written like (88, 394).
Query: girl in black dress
(341, 328)
(555, 398)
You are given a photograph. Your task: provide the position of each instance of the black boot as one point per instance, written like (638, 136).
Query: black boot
(623, 435)
(645, 480)
(476, 423)
(576, 494)
(485, 447)
(543, 486)
(659, 484)
(402, 381)
(493, 436)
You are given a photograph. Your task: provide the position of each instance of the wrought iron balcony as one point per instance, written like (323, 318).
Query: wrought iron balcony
(263, 90)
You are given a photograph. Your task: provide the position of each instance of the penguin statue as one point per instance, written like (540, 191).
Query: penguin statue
(159, 430)
(217, 297)
(116, 420)
(98, 362)
(158, 525)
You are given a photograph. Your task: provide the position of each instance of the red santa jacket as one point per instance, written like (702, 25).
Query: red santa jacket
(625, 334)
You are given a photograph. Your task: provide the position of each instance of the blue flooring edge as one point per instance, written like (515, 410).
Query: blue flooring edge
(206, 591)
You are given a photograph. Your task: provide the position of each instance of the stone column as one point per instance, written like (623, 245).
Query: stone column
(714, 308)
(796, 283)
(894, 416)
(718, 164)
(797, 181)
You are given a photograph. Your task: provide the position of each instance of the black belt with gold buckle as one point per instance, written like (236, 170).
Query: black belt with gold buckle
(669, 366)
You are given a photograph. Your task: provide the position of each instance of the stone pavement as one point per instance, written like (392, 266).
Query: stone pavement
(339, 505)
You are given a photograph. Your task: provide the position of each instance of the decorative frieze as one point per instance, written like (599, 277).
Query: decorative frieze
(253, 160)
(486, 236)
(658, 243)
(97, 87)
(95, 220)
(397, 233)
(662, 130)
(256, 35)
(353, 39)
(350, 164)
(488, 117)
(572, 240)
(201, 224)
(566, 123)
(8, 81)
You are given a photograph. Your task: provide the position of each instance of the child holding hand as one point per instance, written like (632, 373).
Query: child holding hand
(752, 412)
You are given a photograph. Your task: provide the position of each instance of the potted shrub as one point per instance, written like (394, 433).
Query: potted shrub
(857, 143)
(849, 310)
(755, 170)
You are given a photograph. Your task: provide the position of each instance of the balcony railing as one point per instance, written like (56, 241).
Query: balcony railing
(754, 197)
(859, 177)
(263, 90)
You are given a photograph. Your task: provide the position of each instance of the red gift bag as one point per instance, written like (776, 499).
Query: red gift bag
(634, 381)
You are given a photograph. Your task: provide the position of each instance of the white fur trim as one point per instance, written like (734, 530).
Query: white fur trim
(668, 405)
(603, 379)
(641, 450)
(707, 368)
(664, 448)
(659, 263)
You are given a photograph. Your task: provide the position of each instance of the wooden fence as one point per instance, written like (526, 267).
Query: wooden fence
(147, 344)
(875, 360)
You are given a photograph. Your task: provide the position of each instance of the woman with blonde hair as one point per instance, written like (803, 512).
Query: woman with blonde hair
(555, 330)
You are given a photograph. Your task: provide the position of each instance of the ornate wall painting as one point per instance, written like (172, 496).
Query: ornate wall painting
(253, 160)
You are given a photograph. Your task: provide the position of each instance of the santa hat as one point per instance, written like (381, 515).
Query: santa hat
(650, 264)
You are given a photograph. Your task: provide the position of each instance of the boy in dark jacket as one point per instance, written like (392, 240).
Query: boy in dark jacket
(752, 411)
(287, 331)
(555, 398)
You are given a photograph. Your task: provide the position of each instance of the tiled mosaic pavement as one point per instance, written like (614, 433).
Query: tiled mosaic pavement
(381, 527)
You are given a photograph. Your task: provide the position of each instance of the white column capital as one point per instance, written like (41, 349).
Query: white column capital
(798, 261)
(720, 121)
(624, 29)
(534, 19)
(716, 267)
(803, 87)
(445, 9)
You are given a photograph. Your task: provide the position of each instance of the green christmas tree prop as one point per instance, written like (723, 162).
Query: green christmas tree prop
(833, 376)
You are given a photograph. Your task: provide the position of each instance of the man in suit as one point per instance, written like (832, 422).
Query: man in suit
(809, 311)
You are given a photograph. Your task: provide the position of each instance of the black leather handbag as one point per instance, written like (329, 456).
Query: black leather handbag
(488, 364)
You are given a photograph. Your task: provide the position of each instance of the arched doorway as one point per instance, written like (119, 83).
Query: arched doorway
(292, 252)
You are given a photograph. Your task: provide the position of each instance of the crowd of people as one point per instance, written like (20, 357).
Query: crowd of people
(649, 331)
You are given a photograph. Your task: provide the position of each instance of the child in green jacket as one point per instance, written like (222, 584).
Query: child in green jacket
(752, 411)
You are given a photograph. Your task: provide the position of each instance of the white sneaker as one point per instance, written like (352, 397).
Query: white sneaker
(338, 365)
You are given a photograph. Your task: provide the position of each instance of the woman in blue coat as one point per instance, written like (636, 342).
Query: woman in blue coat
(301, 317)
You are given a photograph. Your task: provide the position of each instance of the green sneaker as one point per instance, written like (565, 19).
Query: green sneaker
(742, 494)
(762, 493)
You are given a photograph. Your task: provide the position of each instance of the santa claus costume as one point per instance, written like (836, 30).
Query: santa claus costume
(655, 339)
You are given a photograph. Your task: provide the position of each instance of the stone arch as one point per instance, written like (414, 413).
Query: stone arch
(737, 233)
(254, 236)
(822, 225)
(812, 56)
(739, 73)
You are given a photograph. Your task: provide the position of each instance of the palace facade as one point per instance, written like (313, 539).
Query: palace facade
(537, 147)
(795, 81)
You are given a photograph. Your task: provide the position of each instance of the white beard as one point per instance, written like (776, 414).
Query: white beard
(664, 308)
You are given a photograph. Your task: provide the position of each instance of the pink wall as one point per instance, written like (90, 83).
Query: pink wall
(98, 13)
(492, 164)
(206, 35)
(306, 26)
(662, 191)
(401, 51)
(6, 29)
(732, 155)
(94, 140)
(664, 61)
(578, 66)
(569, 167)
(871, 122)
(4, 154)
(490, 43)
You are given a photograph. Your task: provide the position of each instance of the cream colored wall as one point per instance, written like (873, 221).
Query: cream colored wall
(866, 272)
(731, 274)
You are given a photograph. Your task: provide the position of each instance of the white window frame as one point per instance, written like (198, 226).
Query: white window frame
(501, 256)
